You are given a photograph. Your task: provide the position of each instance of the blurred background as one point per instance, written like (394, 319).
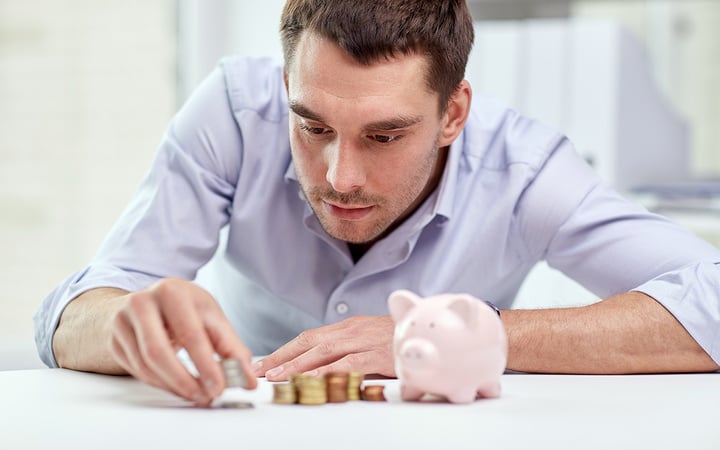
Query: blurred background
(87, 89)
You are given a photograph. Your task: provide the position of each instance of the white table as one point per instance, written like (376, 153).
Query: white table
(50, 409)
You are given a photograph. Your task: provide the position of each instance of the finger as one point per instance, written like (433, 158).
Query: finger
(325, 352)
(157, 351)
(121, 357)
(302, 343)
(127, 353)
(183, 304)
(354, 362)
(372, 362)
(279, 364)
(227, 345)
(137, 369)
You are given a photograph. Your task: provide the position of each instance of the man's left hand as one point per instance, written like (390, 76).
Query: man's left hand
(357, 344)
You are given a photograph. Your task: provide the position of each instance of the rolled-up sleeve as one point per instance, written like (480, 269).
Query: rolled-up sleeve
(171, 226)
(692, 294)
(611, 245)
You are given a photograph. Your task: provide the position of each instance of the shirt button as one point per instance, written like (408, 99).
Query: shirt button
(342, 308)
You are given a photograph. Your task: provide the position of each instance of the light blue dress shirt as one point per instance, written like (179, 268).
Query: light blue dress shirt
(513, 193)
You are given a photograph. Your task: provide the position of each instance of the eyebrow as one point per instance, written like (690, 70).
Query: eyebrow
(303, 111)
(394, 123)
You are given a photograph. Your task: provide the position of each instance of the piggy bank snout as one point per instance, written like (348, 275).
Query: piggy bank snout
(418, 352)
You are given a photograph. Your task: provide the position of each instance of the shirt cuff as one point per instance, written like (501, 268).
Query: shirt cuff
(47, 317)
(692, 295)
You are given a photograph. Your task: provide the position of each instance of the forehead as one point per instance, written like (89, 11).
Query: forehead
(321, 72)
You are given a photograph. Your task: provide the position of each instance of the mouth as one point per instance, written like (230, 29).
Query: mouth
(348, 212)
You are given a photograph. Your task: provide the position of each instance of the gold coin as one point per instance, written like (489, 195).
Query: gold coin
(354, 381)
(284, 393)
(374, 393)
(312, 391)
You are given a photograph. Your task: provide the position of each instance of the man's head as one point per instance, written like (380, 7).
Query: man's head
(372, 30)
(366, 132)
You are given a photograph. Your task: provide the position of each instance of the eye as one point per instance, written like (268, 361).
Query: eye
(383, 139)
(315, 131)
(432, 324)
(412, 324)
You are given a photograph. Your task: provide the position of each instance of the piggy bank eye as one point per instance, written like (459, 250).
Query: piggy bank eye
(412, 323)
(432, 324)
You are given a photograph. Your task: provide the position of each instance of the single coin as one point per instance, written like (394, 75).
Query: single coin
(236, 405)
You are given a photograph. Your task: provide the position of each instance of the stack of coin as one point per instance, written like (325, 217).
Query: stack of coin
(337, 387)
(296, 381)
(234, 376)
(354, 381)
(373, 393)
(312, 391)
(284, 393)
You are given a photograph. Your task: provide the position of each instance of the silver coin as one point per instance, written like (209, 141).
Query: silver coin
(231, 364)
(236, 405)
(234, 376)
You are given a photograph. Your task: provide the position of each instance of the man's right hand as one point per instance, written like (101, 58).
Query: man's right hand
(146, 330)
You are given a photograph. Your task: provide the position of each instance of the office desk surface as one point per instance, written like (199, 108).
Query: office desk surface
(65, 409)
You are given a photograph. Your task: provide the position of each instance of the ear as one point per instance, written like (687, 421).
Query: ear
(465, 307)
(400, 303)
(285, 78)
(457, 113)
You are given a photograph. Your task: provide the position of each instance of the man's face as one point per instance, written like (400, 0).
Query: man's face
(364, 139)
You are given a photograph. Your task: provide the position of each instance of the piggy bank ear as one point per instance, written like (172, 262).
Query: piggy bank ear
(400, 302)
(465, 307)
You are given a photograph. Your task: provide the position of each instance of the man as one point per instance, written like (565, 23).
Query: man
(359, 168)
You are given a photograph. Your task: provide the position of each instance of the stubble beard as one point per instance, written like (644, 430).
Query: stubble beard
(391, 212)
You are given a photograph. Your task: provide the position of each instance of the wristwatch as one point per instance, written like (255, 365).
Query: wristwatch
(492, 305)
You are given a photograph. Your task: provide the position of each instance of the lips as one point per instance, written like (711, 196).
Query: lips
(348, 212)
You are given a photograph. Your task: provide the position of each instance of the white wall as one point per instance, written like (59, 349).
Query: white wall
(683, 39)
(86, 90)
(211, 30)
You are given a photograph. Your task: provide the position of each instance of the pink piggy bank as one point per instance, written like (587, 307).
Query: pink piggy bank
(452, 345)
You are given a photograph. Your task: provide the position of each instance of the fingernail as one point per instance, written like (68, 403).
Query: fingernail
(275, 371)
(312, 373)
(199, 398)
(257, 367)
(209, 387)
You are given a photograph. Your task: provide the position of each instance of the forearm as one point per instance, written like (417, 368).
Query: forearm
(627, 333)
(82, 340)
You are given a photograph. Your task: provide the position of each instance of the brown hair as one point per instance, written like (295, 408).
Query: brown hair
(369, 30)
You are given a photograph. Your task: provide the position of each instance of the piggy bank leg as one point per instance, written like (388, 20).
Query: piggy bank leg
(410, 394)
(490, 391)
(462, 396)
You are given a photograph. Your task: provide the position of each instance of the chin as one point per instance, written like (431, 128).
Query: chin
(341, 233)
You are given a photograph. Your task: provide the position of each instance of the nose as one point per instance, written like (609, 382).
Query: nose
(345, 171)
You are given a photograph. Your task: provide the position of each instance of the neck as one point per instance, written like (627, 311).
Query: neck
(358, 250)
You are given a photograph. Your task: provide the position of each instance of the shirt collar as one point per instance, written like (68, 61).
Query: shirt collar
(448, 183)
(290, 174)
